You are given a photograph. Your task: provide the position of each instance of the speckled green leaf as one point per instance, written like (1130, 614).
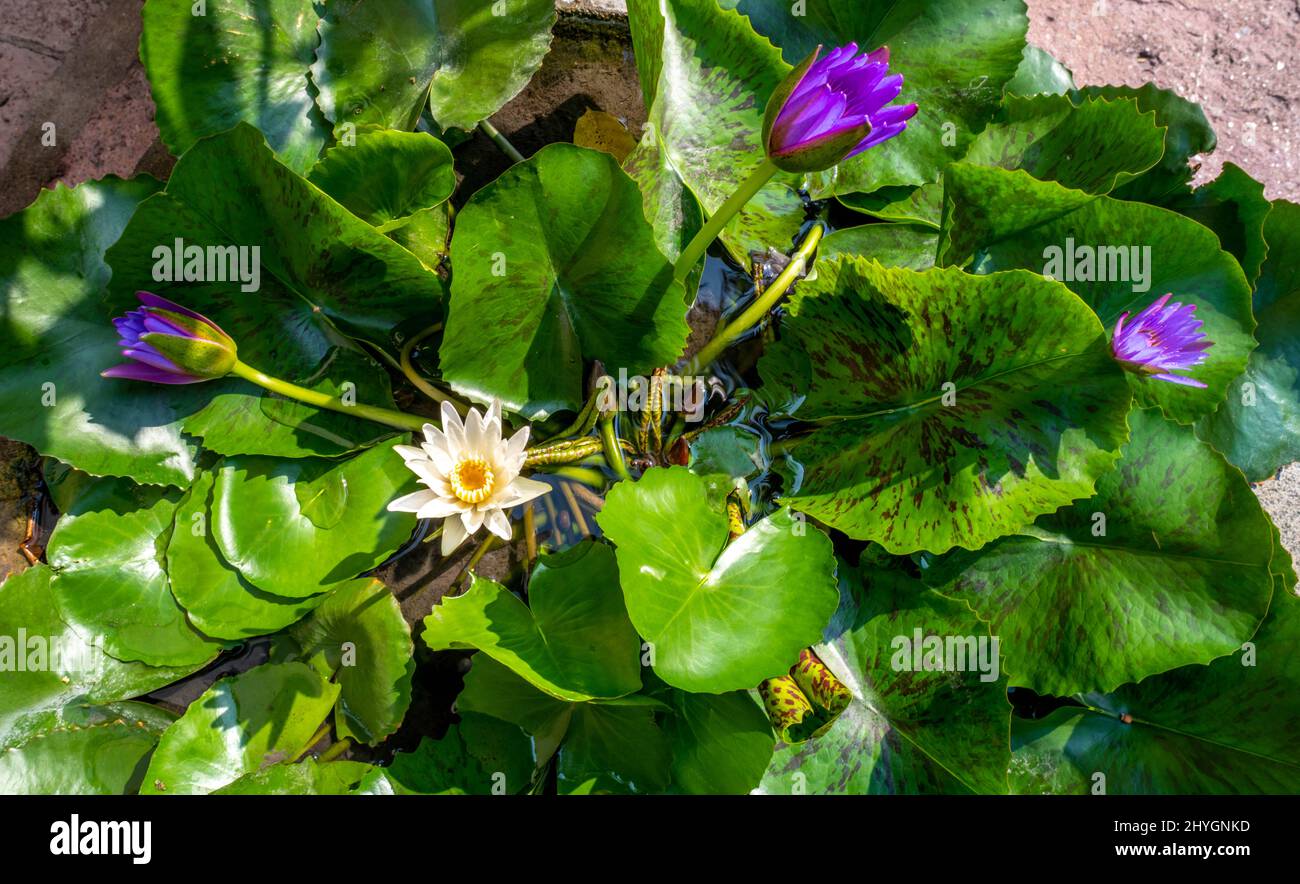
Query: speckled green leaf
(216, 598)
(707, 77)
(721, 617)
(1040, 74)
(670, 207)
(572, 639)
(359, 640)
(1258, 425)
(295, 528)
(386, 174)
(83, 673)
(242, 724)
(721, 743)
(56, 339)
(99, 750)
(1226, 728)
(1175, 255)
(241, 60)
(603, 747)
(949, 409)
(906, 730)
(381, 61)
(554, 264)
(955, 57)
(894, 245)
(479, 756)
(110, 580)
(1167, 565)
(1234, 207)
(1188, 134)
(323, 272)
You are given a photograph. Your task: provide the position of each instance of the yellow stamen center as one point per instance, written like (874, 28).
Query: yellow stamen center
(471, 480)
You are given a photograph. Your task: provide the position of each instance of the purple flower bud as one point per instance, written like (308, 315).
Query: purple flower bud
(1160, 340)
(170, 344)
(833, 108)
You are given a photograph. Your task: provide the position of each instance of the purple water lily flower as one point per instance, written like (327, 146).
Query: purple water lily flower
(171, 344)
(1161, 340)
(829, 109)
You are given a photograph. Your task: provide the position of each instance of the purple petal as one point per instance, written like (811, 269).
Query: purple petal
(134, 371)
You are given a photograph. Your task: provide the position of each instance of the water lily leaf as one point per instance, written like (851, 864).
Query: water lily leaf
(555, 263)
(381, 61)
(240, 60)
(728, 451)
(358, 639)
(1188, 133)
(1225, 728)
(1258, 425)
(480, 756)
(721, 743)
(1040, 74)
(603, 747)
(216, 598)
(1234, 207)
(56, 339)
(950, 409)
(81, 674)
(110, 578)
(894, 245)
(1117, 256)
(241, 724)
(323, 273)
(387, 174)
(305, 778)
(1167, 565)
(98, 750)
(572, 639)
(719, 617)
(956, 92)
(916, 723)
(261, 519)
(670, 207)
(707, 76)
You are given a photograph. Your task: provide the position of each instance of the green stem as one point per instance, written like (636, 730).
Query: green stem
(709, 232)
(399, 419)
(613, 451)
(589, 477)
(408, 369)
(501, 141)
(335, 750)
(762, 304)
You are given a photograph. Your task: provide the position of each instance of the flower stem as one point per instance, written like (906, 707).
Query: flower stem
(335, 750)
(408, 369)
(501, 141)
(399, 419)
(762, 304)
(613, 451)
(718, 220)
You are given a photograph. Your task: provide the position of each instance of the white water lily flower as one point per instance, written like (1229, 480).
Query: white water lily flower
(471, 473)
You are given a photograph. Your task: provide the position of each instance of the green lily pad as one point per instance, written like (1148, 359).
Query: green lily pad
(1258, 425)
(358, 639)
(719, 617)
(56, 339)
(670, 207)
(555, 264)
(110, 579)
(1062, 236)
(1167, 565)
(948, 409)
(295, 528)
(1040, 74)
(573, 639)
(919, 722)
(217, 599)
(387, 174)
(240, 60)
(480, 756)
(1225, 728)
(98, 750)
(1235, 208)
(240, 725)
(382, 61)
(956, 90)
(305, 778)
(894, 245)
(84, 674)
(611, 746)
(721, 743)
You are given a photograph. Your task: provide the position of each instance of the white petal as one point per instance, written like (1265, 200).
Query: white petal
(473, 519)
(453, 535)
(498, 523)
(453, 429)
(522, 490)
(425, 470)
(409, 453)
(412, 502)
(516, 449)
(440, 508)
(437, 454)
(474, 434)
(492, 426)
